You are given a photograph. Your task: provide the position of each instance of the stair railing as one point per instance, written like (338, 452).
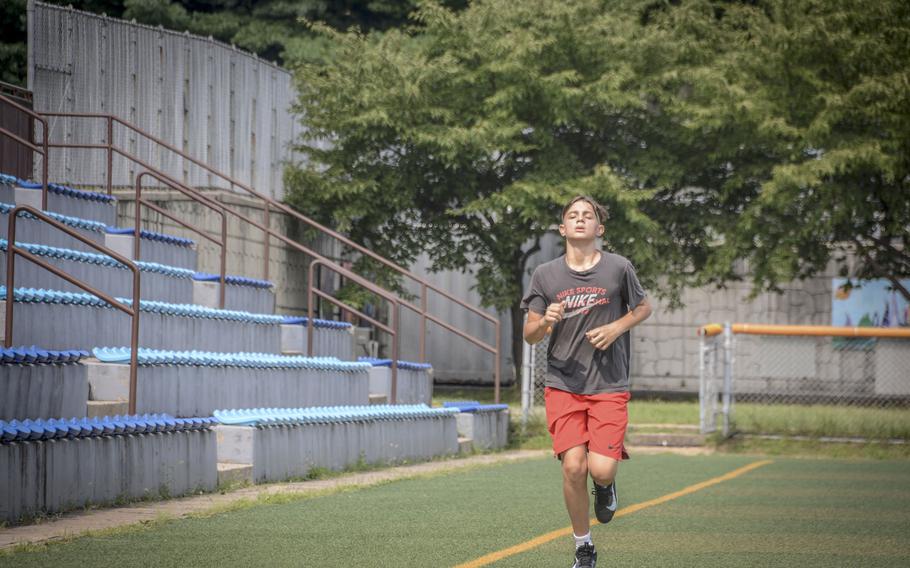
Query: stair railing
(268, 205)
(217, 208)
(38, 149)
(132, 310)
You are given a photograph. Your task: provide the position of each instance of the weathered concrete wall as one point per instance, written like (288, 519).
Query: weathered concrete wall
(665, 347)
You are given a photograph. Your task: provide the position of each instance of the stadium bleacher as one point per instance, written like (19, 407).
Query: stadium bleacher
(215, 387)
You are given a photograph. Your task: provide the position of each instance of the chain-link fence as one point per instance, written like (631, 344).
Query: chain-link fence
(780, 366)
(533, 377)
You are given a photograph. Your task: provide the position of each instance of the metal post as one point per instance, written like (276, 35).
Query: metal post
(223, 260)
(309, 310)
(10, 280)
(422, 342)
(396, 320)
(497, 368)
(134, 342)
(110, 155)
(702, 387)
(728, 377)
(268, 240)
(30, 46)
(137, 224)
(526, 370)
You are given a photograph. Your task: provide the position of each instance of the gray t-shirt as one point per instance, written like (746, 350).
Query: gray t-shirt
(603, 293)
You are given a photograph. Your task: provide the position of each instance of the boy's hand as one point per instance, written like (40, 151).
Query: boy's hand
(603, 336)
(554, 313)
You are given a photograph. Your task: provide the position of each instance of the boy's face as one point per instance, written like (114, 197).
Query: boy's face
(580, 223)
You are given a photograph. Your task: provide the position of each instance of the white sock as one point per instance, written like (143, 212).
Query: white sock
(581, 540)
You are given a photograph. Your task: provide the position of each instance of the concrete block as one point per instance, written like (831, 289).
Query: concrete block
(326, 342)
(236, 444)
(153, 251)
(234, 473)
(108, 381)
(487, 429)
(30, 197)
(413, 386)
(101, 408)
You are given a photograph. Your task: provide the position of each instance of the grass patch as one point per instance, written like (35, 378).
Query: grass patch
(785, 419)
(663, 412)
(813, 449)
(822, 420)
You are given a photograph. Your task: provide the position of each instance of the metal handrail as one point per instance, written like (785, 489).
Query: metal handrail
(16, 91)
(270, 203)
(12, 249)
(42, 150)
(378, 290)
(199, 199)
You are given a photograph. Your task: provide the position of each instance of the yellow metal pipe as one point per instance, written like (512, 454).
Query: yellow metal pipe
(807, 330)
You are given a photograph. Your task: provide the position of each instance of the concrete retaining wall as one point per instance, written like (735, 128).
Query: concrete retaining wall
(57, 475)
(287, 451)
(184, 391)
(43, 391)
(489, 430)
(414, 387)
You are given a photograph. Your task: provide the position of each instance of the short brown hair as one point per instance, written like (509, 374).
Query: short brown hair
(599, 209)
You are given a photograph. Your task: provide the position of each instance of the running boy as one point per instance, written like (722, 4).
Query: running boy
(588, 300)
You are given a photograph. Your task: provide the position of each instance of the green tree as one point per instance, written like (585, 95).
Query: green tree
(824, 91)
(13, 51)
(271, 29)
(465, 139)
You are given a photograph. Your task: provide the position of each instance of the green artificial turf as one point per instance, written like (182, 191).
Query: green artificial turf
(790, 513)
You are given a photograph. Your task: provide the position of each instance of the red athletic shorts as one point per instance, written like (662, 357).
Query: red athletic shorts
(598, 420)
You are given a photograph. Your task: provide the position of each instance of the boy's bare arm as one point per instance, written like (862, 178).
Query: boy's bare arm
(537, 325)
(601, 337)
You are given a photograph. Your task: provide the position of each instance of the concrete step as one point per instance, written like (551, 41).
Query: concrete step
(56, 320)
(159, 282)
(155, 247)
(234, 474)
(465, 446)
(378, 399)
(61, 199)
(31, 230)
(184, 389)
(330, 339)
(102, 408)
(244, 294)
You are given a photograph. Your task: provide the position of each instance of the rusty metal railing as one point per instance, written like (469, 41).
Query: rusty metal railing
(42, 149)
(269, 205)
(217, 208)
(391, 298)
(12, 249)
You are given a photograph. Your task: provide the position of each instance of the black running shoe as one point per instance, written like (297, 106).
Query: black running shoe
(585, 556)
(604, 502)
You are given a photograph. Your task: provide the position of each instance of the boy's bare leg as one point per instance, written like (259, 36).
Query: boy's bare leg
(575, 488)
(603, 469)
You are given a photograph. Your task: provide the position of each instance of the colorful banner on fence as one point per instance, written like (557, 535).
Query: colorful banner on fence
(868, 303)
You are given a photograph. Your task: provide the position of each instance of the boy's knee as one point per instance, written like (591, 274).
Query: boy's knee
(575, 468)
(603, 474)
(603, 477)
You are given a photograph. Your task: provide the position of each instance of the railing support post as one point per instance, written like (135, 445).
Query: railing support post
(110, 155)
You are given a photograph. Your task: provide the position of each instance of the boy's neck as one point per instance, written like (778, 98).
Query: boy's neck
(581, 255)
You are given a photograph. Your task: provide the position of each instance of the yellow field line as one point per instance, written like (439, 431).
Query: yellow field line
(545, 538)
